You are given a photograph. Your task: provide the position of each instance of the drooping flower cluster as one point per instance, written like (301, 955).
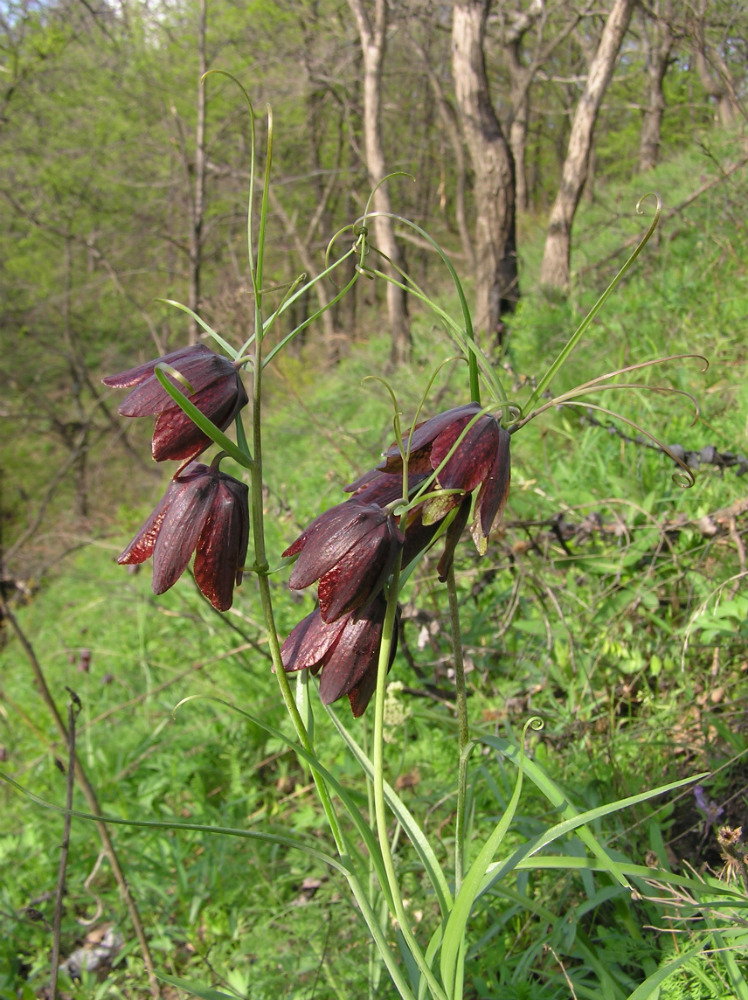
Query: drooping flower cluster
(461, 458)
(203, 510)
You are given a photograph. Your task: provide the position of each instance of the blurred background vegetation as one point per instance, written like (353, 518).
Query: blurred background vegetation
(612, 602)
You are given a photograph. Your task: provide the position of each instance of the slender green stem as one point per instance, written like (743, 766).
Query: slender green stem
(310, 319)
(380, 811)
(262, 567)
(463, 729)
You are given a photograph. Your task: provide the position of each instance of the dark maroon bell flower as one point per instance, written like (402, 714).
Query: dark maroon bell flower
(346, 651)
(351, 549)
(479, 462)
(422, 521)
(203, 511)
(218, 392)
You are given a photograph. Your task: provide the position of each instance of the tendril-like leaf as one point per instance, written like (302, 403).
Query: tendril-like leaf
(685, 479)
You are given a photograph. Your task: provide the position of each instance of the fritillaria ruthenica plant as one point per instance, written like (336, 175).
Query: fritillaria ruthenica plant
(460, 457)
(439, 475)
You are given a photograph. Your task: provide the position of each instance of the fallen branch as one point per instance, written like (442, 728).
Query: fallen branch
(708, 455)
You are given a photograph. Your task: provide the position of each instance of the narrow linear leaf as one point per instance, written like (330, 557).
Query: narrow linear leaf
(206, 426)
(407, 821)
(209, 330)
(560, 801)
(454, 932)
(154, 824)
(203, 992)
(557, 861)
(578, 823)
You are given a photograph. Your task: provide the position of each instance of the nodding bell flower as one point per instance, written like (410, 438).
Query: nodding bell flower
(479, 462)
(346, 651)
(217, 391)
(203, 511)
(424, 520)
(351, 549)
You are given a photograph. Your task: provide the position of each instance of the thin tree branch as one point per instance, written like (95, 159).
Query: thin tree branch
(91, 798)
(74, 706)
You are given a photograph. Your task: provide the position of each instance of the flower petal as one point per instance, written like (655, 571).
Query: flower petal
(360, 695)
(423, 436)
(376, 487)
(142, 545)
(360, 573)
(309, 643)
(353, 655)
(222, 546)
(241, 498)
(181, 527)
(199, 369)
(176, 437)
(436, 508)
(492, 496)
(473, 457)
(135, 376)
(329, 537)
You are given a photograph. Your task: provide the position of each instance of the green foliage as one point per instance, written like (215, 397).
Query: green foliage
(627, 636)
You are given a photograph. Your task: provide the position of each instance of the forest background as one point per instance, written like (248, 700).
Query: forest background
(612, 604)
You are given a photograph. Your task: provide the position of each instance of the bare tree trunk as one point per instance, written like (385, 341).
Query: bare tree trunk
(451, 127)
(523, 68)
(715, 78)
(520, 79)
(659, 46)
(305, 256)
(373, 45)
(496, 285)
(518, 143)
(198, 197)
(554, 271)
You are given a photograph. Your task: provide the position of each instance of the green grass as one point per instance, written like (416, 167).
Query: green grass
(628, 640)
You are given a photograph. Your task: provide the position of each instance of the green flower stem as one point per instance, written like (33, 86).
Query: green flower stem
(380, 811)
(310, 319)
(463, 729)
(262, 567)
